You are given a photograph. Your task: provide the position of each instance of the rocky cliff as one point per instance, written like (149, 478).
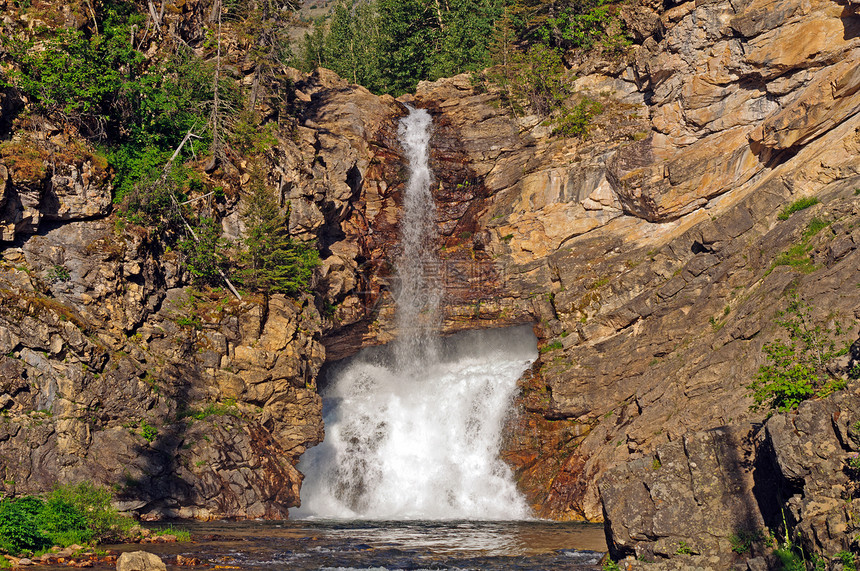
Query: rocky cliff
(709, 498)
(649, 255)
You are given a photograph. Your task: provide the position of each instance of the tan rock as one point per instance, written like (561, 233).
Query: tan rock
(821, 106)
(140, 561)
(810, 41)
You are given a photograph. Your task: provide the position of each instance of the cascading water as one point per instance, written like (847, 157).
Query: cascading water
(418, 293)
(413, 431)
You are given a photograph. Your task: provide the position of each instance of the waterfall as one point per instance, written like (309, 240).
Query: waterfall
(418, 290)
(413, 430)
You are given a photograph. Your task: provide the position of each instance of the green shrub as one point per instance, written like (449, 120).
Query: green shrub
(70, 514)
(73, 75)
(797, 205)
(18, 528)
(847, 558)
(148, 431)
(93, 502)
(63, 523)
(574, 123)
(797, 369)
(538, 78)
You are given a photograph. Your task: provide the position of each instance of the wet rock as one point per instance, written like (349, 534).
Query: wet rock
(187, 561)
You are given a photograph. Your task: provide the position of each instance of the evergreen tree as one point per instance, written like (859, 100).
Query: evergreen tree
(466, 34)
(341, 44)
(312, 54)
(274, 262)
(410, 34)
(204, 256)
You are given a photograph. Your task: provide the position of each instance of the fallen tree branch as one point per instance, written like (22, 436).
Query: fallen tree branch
(167, 168)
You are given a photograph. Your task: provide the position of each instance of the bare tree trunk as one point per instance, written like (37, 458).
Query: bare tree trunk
(167, 167)
(95, 21)
(156, 17)
(439, 15)
(255, 88)
(218, 154)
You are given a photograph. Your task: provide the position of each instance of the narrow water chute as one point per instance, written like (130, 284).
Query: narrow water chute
(413, 430)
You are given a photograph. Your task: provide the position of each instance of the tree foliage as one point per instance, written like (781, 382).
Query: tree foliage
(205, 252)
(273, 262)
(70, 514)
(390, 45)
(797, 368)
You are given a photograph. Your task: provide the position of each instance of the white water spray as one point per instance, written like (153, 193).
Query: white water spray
(415, 432)
(418, 289)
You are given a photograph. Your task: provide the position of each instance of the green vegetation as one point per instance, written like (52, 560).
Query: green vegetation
(551, 347)
(797, 205)
(796, 369)
(149, 114)
(390, 45)
(152, 114)
(742, 541)
(70, 514)
(273, 262)
(148, 431)
(789, 559)
(797, 256)
(853, 462)
(58, 273)
(228, 407)
(204, 251)
(575, 122)
(848, 560)
(180, 534)
(107, 89)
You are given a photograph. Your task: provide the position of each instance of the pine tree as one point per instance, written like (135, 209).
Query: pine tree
(465, 36)
(312, 54)
(274, 262)
(409, 42)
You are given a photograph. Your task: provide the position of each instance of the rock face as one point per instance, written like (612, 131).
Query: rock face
(710, 498)
(649, 256)
(190, 405)
(49, 176)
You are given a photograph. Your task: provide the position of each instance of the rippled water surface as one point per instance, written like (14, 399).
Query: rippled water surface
(305, 545)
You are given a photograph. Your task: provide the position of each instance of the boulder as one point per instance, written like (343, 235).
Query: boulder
(140, 561)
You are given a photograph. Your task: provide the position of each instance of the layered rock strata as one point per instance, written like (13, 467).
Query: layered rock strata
(710, 499)
(649, 255)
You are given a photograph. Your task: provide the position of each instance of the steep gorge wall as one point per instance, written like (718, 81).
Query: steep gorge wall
(643, 254)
